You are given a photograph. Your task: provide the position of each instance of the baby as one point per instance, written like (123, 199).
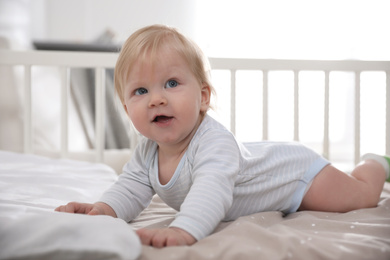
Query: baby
(197, 166)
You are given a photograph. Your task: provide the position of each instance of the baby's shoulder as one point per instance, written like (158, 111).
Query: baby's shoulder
(211, 131)
(212, 138)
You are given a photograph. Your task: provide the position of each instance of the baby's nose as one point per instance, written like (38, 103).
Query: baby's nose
(157, 99)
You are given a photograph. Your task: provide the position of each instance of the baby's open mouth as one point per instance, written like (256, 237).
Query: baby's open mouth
(160, 119)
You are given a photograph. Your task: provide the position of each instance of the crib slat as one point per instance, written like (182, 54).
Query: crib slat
(265, 105)
(28, 130)
(100, 111)
(357, 117)
(388, 112)
(296, 105)
(233, 101)
(326, 117)
(65, 86)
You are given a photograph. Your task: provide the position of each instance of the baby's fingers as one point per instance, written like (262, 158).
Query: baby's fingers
(74, 207)
(152, 237)
(66, 208)
(95, 211)
(162, 237)
(159, 240)
(145, 236)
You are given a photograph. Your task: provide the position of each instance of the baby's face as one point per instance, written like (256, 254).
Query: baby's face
(163, 98)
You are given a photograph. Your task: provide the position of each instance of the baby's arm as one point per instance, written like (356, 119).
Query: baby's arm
(215, 165)
(98, 208)
(127, 197)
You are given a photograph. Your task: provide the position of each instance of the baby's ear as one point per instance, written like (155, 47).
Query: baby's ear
(206, 94)
(125, 108)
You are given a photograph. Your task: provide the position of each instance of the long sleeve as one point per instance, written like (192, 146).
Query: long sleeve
(215, 165)
(132, 192)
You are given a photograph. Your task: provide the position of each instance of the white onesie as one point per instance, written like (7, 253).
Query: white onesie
(217, 179)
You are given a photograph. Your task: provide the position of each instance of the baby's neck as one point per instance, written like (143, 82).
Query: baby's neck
(167, 164)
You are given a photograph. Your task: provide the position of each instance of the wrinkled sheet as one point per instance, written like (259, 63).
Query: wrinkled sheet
(31, 187)
(359, 234)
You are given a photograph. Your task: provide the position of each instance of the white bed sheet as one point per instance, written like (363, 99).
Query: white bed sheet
(31, 187)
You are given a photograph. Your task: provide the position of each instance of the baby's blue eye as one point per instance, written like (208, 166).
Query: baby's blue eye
(171, 83)
(140, 91)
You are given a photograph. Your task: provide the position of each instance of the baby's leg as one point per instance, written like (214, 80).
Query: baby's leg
(335, 191)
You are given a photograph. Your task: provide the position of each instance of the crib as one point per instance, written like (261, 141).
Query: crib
(102, 61)
(363, 234)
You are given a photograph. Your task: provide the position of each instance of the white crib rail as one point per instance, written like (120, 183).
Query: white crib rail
(64, 60)
(308, 65)
(101, 61)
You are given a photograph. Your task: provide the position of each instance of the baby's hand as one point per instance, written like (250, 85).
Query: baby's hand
(97, 208)
(165, 237)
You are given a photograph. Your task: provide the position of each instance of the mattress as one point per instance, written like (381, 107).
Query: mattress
(31, 187)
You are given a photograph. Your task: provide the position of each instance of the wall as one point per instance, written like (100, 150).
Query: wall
(75, 20)
(284, 29)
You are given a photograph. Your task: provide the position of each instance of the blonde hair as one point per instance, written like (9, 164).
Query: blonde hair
(148, 41)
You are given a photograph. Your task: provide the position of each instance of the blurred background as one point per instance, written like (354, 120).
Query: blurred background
(278, 29)
(288, 29)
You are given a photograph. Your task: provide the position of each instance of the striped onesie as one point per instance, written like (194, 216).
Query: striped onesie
(217, 179)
